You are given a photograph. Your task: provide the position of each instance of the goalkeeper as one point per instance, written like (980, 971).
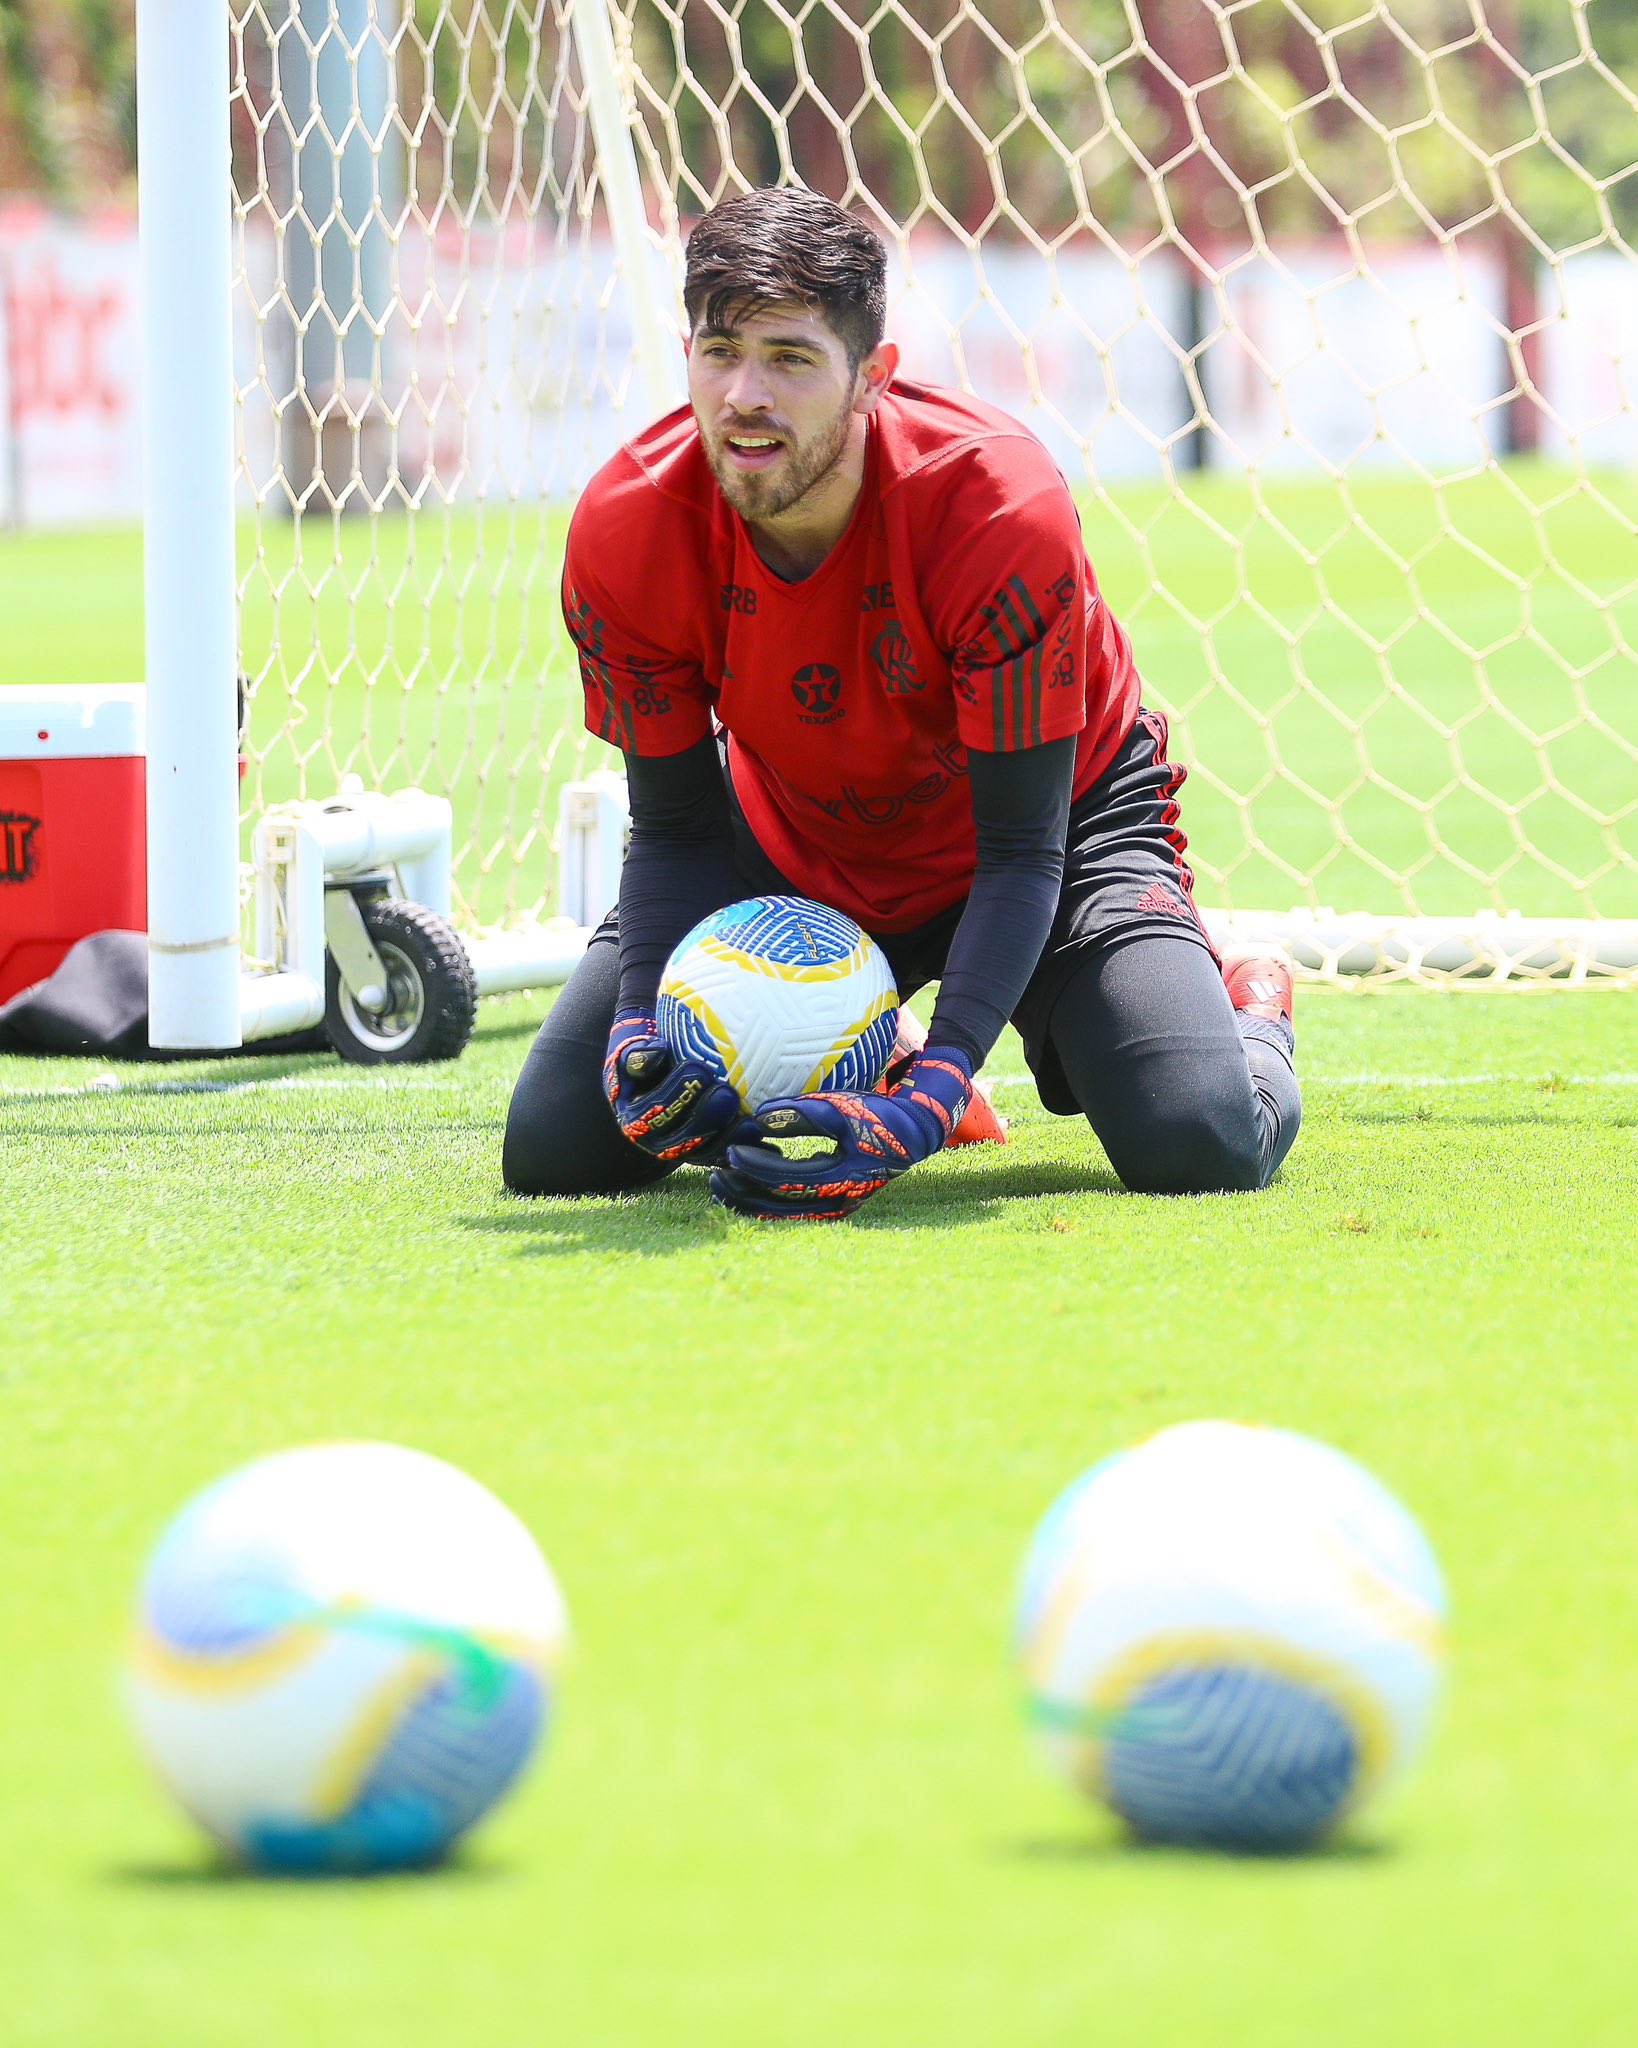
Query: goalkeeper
(845, 632)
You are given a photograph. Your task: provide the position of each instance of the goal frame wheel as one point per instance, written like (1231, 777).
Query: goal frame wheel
(432, 992)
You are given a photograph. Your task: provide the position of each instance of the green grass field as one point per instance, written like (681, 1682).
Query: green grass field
(786, 1477)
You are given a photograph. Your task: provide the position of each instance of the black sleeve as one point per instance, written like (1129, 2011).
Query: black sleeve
(1021, 816)
(680, 865)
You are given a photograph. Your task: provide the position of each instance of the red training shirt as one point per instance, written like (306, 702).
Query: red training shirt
(958, 610)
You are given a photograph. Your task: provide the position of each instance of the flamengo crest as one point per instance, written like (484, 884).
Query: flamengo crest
(893, 654)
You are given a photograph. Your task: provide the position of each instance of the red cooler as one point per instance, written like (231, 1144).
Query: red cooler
(73, 858)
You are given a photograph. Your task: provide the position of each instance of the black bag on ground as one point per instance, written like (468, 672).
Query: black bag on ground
(96, 1004)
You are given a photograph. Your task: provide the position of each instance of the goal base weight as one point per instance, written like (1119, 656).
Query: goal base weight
(316, 868)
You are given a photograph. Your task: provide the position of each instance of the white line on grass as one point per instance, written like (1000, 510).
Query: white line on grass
(384, 1080)
(1471, 1080)
(114, 1084)
(1307, 1074)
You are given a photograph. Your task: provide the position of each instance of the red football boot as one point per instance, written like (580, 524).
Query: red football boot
(1260, 984)
(983, 1124)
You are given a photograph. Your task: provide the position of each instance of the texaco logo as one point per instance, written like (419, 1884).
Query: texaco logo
(817, 688)
(896, 658)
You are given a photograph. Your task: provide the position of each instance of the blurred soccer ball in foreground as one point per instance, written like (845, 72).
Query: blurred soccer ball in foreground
(782, 997)
(1231, 1635)
(343, 1657)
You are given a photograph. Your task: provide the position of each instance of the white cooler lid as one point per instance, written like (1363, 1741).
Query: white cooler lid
(65, 722)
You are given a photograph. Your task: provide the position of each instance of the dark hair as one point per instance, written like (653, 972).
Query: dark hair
(782, 244)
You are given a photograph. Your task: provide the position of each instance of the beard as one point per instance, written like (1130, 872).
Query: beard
(805, 466)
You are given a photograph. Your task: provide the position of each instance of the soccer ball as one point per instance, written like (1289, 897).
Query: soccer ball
(1231, 1635)
(781, 996)
(343, 1656)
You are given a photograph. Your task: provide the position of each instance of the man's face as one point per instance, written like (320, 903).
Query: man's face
(774, 397)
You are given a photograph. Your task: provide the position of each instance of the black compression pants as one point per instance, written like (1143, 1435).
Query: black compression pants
(1185, 1096)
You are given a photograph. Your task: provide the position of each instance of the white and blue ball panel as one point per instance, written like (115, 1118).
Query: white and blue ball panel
(783, 931)
(198, 1602)
(1052, 1549)
(1230, 1756)
(354, 1741)
(454, 1751)
(686, 1032)
(863, 1063)
(780, 996)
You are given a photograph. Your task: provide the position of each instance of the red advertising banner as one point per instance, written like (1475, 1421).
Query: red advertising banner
(503, 368)
(72, 335)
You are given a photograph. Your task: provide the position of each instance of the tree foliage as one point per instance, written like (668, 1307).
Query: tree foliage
(1220, 118)
(1215, 120)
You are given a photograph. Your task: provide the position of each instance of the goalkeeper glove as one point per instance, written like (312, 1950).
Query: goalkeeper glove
(675, 1109)
(875, 1138)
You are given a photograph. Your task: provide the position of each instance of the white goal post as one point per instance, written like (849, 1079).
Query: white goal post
(1330, 316)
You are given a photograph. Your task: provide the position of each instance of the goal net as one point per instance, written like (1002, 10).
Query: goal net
(1328, 311)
